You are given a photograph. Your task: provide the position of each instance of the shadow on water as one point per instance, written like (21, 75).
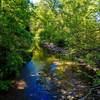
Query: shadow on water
(35, 90)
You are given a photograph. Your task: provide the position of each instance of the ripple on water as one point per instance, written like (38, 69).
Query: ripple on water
(35, 90)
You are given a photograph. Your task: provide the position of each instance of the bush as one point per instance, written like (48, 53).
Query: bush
(5, 85)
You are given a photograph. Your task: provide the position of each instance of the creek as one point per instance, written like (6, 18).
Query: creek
(35, 90)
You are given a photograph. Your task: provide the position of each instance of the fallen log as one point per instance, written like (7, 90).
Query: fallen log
(54, 48)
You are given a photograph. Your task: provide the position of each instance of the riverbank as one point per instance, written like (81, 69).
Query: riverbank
(64, 80)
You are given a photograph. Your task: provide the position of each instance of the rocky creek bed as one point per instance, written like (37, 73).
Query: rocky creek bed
(60, 83)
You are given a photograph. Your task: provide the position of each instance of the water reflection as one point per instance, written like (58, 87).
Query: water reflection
(35, 89)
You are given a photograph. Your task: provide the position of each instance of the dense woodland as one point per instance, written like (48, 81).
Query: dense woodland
(70, 24)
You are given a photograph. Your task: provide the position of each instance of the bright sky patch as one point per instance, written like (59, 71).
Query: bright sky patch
(34, 1)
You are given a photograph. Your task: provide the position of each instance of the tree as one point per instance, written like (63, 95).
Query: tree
(14, 36)
(74, 21)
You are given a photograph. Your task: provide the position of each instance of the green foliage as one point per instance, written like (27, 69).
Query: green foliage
(14, 36)
(97, 79)
(14, 63)
(98, 73)
(70, 24)
(72, 21)
(89, 59)
(4, 85)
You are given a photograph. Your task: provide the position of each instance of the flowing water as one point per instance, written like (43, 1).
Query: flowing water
(34, 89)
(57, 82)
